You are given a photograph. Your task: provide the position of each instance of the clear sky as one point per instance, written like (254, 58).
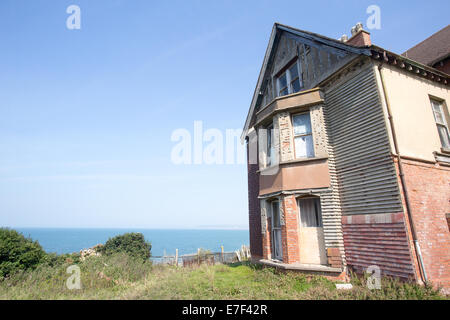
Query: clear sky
(86, 116)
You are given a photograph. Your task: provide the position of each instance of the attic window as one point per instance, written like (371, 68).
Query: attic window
(289, 81)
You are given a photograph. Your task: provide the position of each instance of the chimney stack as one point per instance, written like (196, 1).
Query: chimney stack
(360, 37)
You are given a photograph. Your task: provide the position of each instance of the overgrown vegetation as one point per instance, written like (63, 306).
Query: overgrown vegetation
(125, 272)
(134, 244)
(120, 276)
(18, 253)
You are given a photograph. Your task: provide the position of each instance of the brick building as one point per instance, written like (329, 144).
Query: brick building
(349, 159)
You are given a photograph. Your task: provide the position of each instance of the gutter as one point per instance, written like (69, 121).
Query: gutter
(402, 179)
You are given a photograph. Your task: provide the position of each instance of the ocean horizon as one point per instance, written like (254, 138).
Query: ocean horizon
(164, 241)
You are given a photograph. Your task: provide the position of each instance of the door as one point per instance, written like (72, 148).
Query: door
(277, 250)
(312, 244)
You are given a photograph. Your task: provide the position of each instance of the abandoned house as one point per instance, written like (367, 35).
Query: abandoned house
(349, 159)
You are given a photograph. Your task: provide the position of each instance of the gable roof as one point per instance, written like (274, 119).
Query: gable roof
(431, 50)
(270, 51)
(418, 68)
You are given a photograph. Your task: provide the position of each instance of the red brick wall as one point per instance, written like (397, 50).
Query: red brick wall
(290, 230)
(267, 241)
(334, 257)
(254, 210)
(429, 194)
(380, 240)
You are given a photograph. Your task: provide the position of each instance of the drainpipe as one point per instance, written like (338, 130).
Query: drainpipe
(402, 179)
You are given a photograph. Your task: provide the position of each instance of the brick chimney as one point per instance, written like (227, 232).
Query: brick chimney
(360, 37)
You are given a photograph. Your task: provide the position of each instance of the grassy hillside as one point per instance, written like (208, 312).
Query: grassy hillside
(122, 277)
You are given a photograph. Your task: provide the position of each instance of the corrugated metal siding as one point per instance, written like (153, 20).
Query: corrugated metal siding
(364, 176)
(364, 168)
(330, 203)
(331, 219)
(380, 244)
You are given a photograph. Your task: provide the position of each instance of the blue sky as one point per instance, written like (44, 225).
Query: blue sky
(86, 115)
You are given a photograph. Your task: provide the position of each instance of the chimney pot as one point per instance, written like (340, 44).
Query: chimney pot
(360, 37)
(344, 38)
(359, 26)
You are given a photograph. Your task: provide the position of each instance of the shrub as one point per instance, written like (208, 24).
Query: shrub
(53, 259)
(18, 252)
(133, 244)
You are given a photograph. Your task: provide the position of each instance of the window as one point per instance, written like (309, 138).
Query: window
(294, 79)
(289, 81)
(439, 117)
(303, 142)
(310, 212)
(276, 230)
(276, 214)
(270, 151)
(282, 85)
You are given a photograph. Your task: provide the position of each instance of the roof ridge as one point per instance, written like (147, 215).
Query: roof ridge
(318, 35)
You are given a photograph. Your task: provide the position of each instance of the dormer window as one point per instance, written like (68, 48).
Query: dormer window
(289, 81)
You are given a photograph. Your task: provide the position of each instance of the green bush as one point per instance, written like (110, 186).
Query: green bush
(133, 244)
(52, 259)
(18, 252)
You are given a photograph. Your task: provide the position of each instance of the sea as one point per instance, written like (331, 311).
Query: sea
(164, 241)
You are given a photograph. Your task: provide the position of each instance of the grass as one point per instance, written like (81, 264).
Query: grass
(121, 277)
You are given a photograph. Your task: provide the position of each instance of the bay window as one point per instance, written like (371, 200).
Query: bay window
(303, 141)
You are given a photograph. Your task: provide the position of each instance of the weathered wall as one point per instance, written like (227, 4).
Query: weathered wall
(369, 197)
(378, 240)
(317, 62)
(256, 245)
(360, 143)
(409, 99)
(427, 182)
(295, 176)
(290, 230)
(429, 193)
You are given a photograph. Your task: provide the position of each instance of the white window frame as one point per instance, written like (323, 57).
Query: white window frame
(294, 135)
(443, 124)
